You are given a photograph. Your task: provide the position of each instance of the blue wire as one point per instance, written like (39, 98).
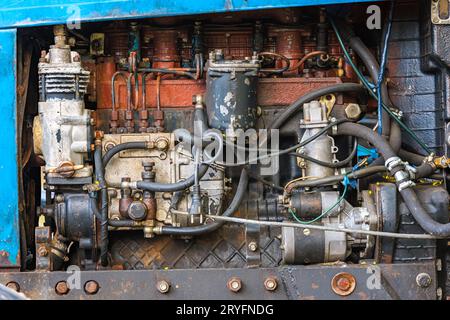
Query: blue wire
(380, 79)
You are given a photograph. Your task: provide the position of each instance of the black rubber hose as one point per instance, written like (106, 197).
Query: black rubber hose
(168, 71)
(100, 174)
(422, 217)
(206, 228)
(395, 140)
(373, 68)
(408, 194)
(413, 158)
(171, 187)
(316, 94)
(121, 147)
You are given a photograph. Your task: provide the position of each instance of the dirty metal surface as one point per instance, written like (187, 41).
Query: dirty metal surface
(293, 282)
(37, 13)
(226, 248)
(9, 174)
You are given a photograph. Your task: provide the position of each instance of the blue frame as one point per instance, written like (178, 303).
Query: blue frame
(9, 213)
(27, 13)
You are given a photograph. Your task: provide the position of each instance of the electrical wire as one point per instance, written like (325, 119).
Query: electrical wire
(326, 212)
(323, 228)
(372, 90)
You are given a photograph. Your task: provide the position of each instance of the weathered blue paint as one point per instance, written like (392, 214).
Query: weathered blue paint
(9, 214)
(37, 12)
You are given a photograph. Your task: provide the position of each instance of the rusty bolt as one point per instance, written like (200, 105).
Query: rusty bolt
(91, 287)
(234, 284)
(252, 246)
(423, 280)
(13, 285)
(61, 288)
(163, 286)
(270, 284)
(343, 284)
(42, 251)
(353, 111)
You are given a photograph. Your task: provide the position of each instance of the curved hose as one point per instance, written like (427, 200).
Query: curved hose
(100, 174)
(121, 147)
(408, 194)
(206, 228)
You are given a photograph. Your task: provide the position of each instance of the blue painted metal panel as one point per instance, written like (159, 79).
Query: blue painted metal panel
(9, 213)
(38, 12)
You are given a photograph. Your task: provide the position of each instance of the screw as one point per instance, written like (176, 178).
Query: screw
(91, 287)
(306, 232)
(13, 285)
(252, 246)
(234, 284)
(270, 284)
(61, 288)
(343, 284)
(163, 286)
(423, 280)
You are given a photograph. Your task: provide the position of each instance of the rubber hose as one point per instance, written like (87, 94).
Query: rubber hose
(121, 147)
(408, 194)
(100, 174)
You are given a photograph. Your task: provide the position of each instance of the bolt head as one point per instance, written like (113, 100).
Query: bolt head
(353, 111)
(234, 284)
(61, 288)
(91, 287)
(252, 246)
(13, 285)
(270, 284)
(423, 280)
(163, 286)
(343, 284)
(42, 251)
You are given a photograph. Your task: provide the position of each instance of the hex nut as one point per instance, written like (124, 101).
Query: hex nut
(270, 284)
(234, 284)
(353, 111)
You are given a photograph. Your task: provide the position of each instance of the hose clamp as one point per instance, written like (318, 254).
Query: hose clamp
(401, 176)
(393, 162)
(411, 170)
(405, 184)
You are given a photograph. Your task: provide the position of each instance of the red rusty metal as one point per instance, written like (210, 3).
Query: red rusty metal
(177, 93)
(289, 44)
(165, 49)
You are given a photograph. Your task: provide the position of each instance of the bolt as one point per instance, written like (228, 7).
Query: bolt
(306, 232)
(234, 284)
(270, 284)
(343, 284)
(163, 286)
(353, 111)
(61, 288)
(423, 280)
(91, 287)
(42, 251)
(252, 246)
(13, 285)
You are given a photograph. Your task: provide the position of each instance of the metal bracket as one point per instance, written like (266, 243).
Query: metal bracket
(440, 11)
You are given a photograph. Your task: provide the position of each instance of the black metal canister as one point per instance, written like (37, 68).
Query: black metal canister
(231, 92)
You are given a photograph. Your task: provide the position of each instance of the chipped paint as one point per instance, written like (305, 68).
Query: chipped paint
(38, 13)
(9, 215)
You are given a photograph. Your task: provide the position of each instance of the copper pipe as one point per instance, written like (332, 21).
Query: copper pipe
(308, 56)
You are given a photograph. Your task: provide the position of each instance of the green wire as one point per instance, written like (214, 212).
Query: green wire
(324, 213)
(372, 91)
